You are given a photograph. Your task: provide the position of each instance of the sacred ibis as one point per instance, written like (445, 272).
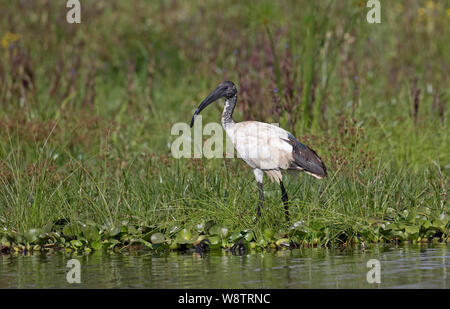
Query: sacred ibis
(264, 147)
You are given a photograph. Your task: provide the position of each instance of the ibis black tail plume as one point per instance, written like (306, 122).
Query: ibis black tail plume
(306, 159)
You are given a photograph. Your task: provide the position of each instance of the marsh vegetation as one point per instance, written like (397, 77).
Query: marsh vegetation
(86, 111)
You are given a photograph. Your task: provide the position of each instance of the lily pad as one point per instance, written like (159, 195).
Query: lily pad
(113, 231)
(185, 236)
(249, 236)
(412, 229)
(96, 245)
(215, 241)
(157, 238)
(76, 243)
(282, 242)
(31, 235)
(235, 236)
(91, 233)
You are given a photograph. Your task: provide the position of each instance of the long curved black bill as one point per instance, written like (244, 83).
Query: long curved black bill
(213, 96)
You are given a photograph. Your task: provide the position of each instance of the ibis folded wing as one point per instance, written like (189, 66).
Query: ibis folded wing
(261, 145)
(271, 149)
(306, 159)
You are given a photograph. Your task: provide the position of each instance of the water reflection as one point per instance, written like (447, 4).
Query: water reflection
(401, 267)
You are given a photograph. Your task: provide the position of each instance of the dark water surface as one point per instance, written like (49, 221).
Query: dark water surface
(425, 266)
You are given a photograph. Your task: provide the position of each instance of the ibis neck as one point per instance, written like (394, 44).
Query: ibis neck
(228, 111)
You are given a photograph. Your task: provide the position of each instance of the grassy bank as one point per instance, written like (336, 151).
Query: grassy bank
(86, 111)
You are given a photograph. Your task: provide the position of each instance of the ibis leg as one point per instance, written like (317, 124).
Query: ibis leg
(259, 174)
(261, 199)
(284, 198)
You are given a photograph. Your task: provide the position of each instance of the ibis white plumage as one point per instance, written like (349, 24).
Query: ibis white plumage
(264, 147)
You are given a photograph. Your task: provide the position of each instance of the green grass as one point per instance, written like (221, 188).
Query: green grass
(86, 113)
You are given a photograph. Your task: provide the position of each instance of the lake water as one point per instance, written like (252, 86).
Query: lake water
(424, 266)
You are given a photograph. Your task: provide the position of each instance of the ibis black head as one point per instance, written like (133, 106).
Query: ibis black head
(226, 90)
